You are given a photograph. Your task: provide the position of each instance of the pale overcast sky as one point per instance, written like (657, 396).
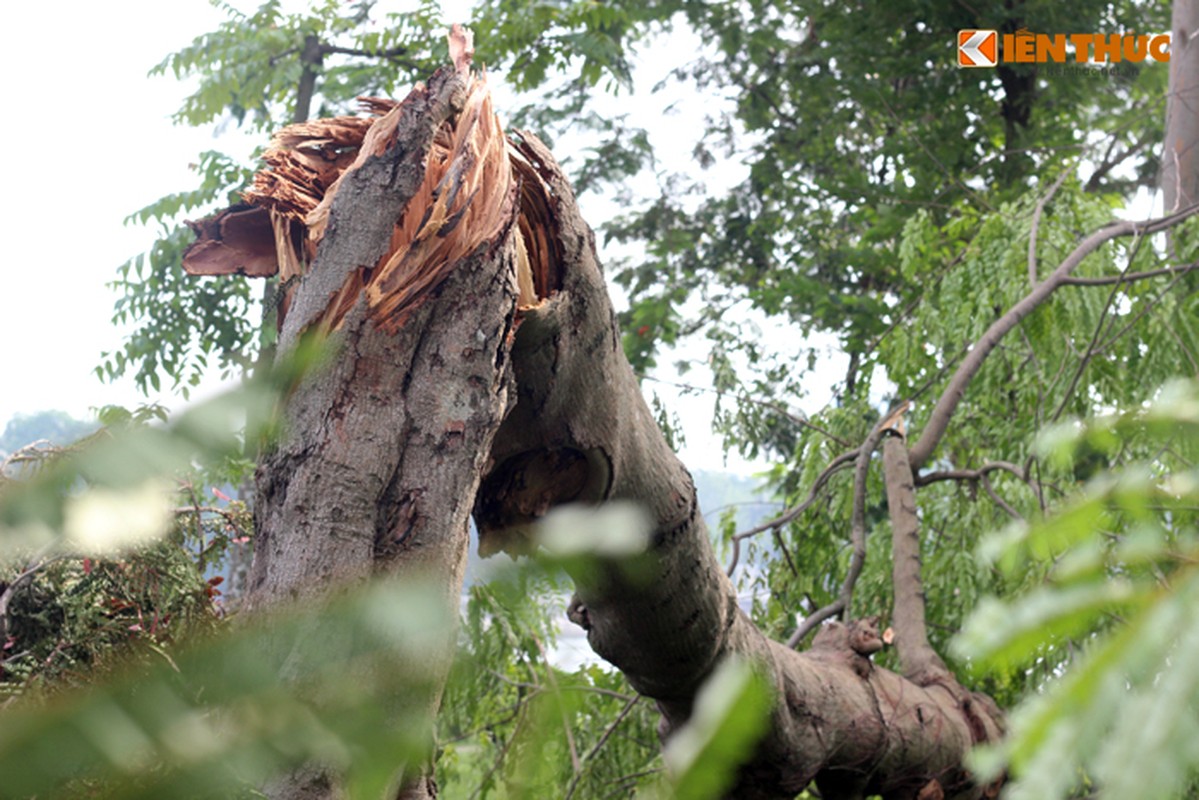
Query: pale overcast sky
(88, 139)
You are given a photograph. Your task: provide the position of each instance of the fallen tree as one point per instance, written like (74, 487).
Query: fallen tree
(479, 368)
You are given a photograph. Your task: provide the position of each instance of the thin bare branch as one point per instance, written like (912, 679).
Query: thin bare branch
(857, 535)
(1184, 348)
(802, 421)
(395, 55)
(575, 764)
(538, 688)
(495, 766)
(837, 464)
(1145, 309)
(948, 402)
(1110, 162)
(1094, 342)
(607, 734)
(232, 517)
(782, 543)
(1129, 277)
(857, 531)
(813, 620)
(32, 453)
(999, 501)
(981, 475)
(1034, 229)
(972, 474)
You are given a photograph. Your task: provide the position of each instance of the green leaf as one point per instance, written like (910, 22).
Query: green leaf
(731, 714)
(216, 716)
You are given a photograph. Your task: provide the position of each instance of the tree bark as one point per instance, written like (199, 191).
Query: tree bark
(854, 728)
(1180, 157)
(471, 401)
(383, 450)
(920, 662)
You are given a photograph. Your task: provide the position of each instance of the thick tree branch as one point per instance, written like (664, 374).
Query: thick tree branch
(948, 402)
(1180, 156)
(580, 432)
(920, 662)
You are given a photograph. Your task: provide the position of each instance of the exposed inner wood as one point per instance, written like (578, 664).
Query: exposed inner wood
(476, 184)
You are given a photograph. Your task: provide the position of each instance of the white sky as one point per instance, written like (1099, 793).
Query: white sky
(88, 140)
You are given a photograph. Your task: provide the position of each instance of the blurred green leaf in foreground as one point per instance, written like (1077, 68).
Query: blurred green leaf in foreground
(1122, 717)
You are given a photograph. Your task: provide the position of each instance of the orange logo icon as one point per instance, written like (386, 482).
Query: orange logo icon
(978, 48)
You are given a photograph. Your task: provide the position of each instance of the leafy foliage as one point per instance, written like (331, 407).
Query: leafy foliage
(217, 717)
(1119, 601)
(76, 617)
(85, 577)
(122, 679)
(850, 120)
(889, 204)
(1088, 348)
(731, 715)
(514, 725)
(118, 676)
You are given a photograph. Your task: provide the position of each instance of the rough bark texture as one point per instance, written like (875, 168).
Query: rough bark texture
(853, 728)
(1180, 157)
(383, 450)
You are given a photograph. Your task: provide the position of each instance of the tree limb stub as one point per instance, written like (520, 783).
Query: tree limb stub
(920, 662)
(237, 241)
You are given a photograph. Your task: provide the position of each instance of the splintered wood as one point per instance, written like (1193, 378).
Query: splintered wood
(476, 184)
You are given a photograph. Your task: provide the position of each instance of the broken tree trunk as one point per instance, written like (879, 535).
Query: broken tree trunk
(383, 450)
(487, 369)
